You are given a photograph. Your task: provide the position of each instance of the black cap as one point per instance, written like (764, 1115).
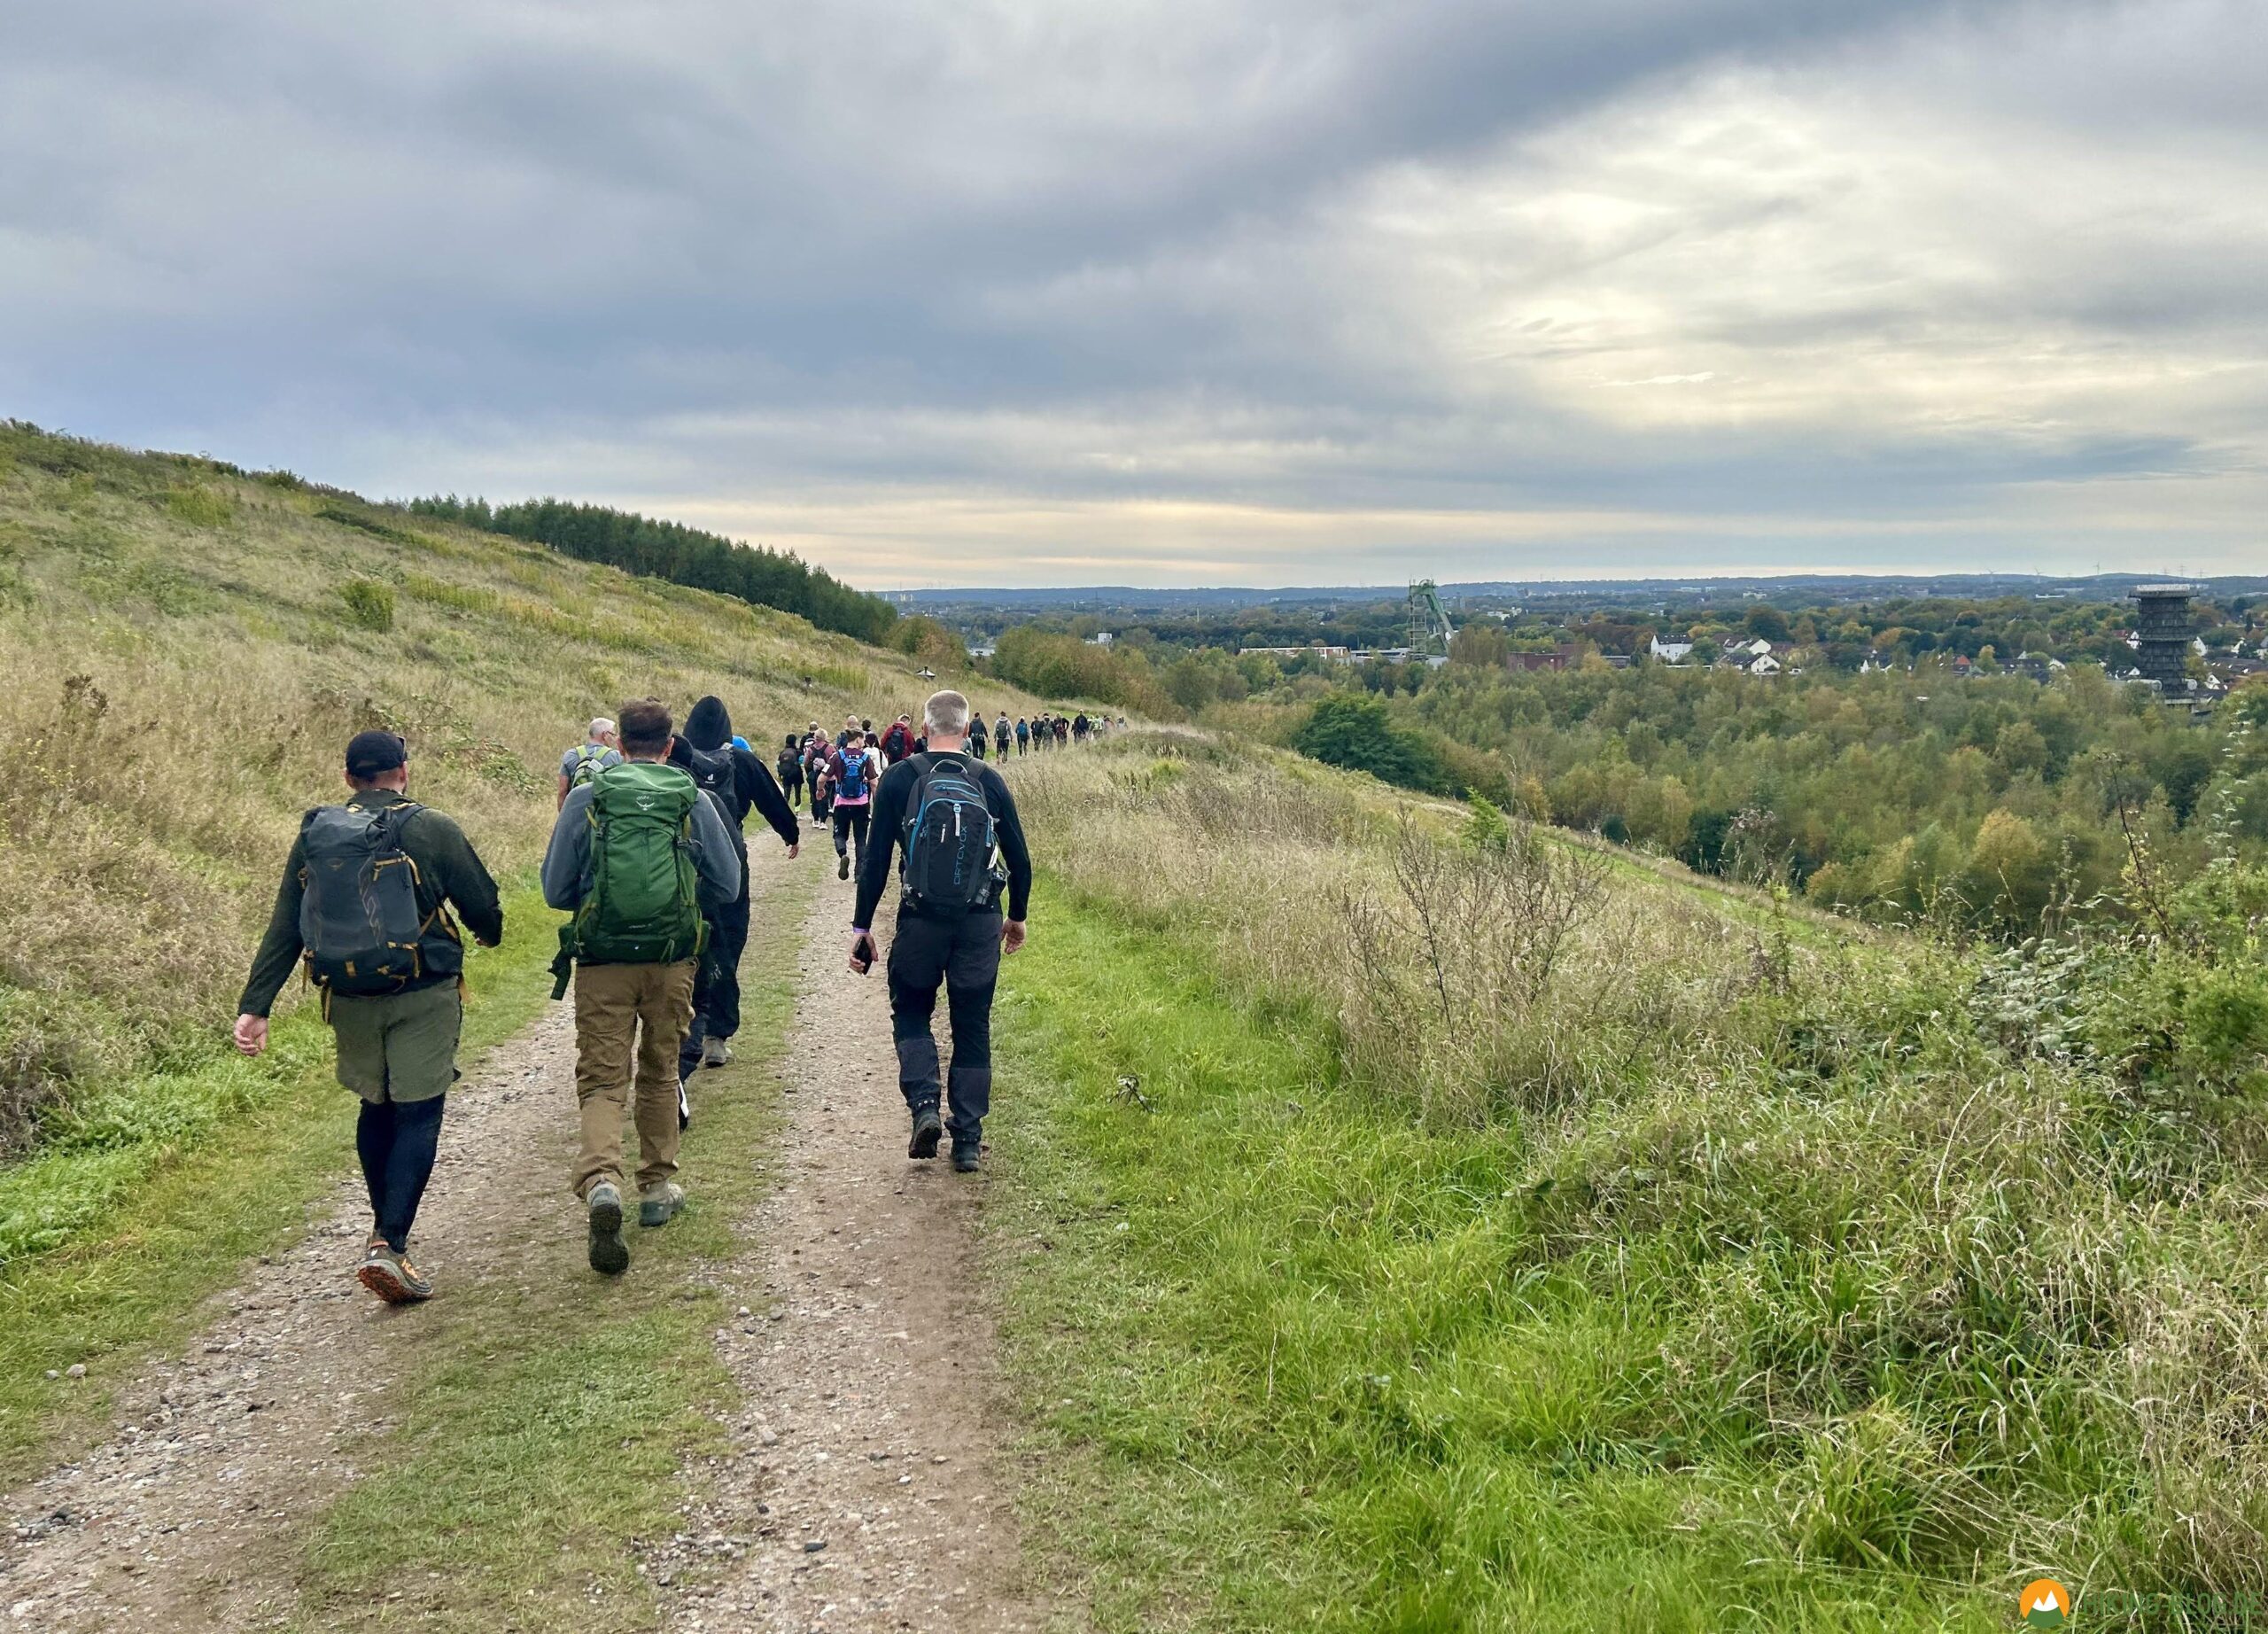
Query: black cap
(371, 753)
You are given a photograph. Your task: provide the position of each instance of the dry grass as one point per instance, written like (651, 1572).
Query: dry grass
(183, 652)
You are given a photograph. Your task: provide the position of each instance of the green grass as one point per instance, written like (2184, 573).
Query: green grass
(1301, 1369)
(164, 1185)
(546, 1427)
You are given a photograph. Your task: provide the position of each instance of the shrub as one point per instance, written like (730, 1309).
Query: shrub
(1352, 730)
(368, 604)
(200, 506)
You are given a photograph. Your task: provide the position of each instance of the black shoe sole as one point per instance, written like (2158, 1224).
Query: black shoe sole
(609, 1254)
(842, 867)
(926, 1132)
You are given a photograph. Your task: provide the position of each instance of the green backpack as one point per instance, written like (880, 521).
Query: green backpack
(642, 907)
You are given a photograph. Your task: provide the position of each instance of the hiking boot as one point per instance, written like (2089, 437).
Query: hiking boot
(657, 1205)
(927, 1127)
(391, 1277)
(843, 866)
(715, 1053)
(965, 1154)
(610, 1254)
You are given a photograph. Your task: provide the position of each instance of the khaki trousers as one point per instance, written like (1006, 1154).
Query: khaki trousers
(622, 1010)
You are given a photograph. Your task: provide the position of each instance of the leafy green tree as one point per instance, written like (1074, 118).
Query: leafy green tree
(1355, 731)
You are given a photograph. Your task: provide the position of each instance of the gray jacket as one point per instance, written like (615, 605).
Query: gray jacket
(567, 862)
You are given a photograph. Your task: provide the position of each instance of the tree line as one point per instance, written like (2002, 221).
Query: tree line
(681, 555)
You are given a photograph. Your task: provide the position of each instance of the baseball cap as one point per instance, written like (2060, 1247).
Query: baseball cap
(369, 753)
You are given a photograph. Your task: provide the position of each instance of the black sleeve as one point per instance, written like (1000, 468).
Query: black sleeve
(887, 820)
(279, 947)
(756, 783)
(1008, 830)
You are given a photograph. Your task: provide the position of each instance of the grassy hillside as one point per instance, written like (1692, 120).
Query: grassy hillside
(183, 651)
(1422, 1230)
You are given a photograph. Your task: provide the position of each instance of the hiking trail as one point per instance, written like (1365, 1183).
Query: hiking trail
(868, 1423)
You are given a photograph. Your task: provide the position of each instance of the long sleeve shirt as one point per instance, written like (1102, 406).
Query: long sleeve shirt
(448, 870)
(894, 793)
(567, 860)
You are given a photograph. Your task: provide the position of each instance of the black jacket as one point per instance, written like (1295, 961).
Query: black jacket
(891, 797)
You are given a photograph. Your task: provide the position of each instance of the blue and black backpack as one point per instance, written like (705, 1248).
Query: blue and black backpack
(948, 869)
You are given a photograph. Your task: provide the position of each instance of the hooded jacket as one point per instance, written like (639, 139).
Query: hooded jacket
(709, 730)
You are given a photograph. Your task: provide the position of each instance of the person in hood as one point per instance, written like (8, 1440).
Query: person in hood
(739, 780)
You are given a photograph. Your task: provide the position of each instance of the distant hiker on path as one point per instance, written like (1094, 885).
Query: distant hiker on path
(739, 783)
(365, 900)
(977, 736)
(897, 743)
(852, 772)
(588, 758)
(1000, 736)
(634, 855)
(1023, 735)
(790, 769)
(963, 849)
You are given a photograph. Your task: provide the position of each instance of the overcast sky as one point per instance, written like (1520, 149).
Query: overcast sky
(1253, 291)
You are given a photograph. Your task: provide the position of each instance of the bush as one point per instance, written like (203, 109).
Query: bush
(368, 603)
(1353, 730)
(201, 507)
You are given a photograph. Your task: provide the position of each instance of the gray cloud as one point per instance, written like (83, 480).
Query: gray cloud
(1716, 277)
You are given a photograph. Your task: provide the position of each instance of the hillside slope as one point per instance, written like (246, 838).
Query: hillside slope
(182, 650)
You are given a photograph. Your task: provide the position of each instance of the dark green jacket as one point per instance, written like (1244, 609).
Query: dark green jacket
(448, 869)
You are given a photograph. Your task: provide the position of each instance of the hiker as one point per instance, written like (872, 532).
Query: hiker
(1000, 737)
(815, 768)
(977, 738)
(739, 783)
(365, 901)
(1080, 728)
(790, 769)
(850, 730)
(963, 850)
(854, 771)
(634, 855)
(588, 758)
(1023, 735)
(897, 743)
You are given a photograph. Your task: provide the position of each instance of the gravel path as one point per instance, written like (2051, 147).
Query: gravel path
(868, 1471)
(866, 1489)
(171, 1524)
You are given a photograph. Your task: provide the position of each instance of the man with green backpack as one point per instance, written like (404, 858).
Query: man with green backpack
(365, 902)
(636, 853)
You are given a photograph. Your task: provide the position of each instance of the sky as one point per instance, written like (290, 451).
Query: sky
(1245, 292)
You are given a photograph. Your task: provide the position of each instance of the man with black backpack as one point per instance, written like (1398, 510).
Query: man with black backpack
(636, 854)
(366, 897)
(963, 850)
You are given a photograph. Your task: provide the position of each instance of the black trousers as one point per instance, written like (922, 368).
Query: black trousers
(397, 1141)
(716, 985)
(853, 821)
(962, 955)
(791, 787)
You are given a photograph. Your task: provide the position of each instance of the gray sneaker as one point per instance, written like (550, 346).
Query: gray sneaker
(609, 1254)
(715, 1053)
(391, 1277)
(657, 1205)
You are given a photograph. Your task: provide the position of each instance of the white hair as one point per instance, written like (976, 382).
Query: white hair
(946, 715)
(601, 728)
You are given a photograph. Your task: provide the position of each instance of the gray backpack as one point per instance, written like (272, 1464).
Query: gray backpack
(359, 921)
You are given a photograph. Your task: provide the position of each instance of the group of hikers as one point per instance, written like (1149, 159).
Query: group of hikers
(648, 858)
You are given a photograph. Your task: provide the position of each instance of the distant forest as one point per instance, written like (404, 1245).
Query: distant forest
(682, 554)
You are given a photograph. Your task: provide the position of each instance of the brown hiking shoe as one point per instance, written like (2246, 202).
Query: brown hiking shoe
(391, 1277)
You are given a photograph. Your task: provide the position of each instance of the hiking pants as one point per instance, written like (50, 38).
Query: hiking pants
(963, 954)
(397, 1141)
(629, 1020)
(850, 822)
(717, 985)
(791, 787)
(398, 1046)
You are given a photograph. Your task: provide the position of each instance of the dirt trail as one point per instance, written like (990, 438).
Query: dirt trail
(872, 1427)
(869, 1425)
(172, 1524)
